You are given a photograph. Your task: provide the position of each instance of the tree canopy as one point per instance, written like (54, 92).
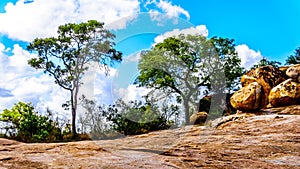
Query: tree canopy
(295, 58)
(66, 57)
(182, 65)
(265, 62)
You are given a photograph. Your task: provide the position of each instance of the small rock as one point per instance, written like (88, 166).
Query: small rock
(294, 72)
(198, 118)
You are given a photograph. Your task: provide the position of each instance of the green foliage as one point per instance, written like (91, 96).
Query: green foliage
(225, 48)
(265, 62)
(27, 125)
(181, 65)
(294, 59)
(135, 118)
(66, 57)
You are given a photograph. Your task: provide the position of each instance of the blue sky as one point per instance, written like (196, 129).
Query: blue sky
(261, 28)
(270, 26)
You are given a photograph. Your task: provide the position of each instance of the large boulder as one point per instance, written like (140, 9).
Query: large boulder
(247, 98)
(284, 94)
(267, 76)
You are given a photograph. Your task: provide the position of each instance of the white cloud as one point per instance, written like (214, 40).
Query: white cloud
(165, 7)
(200, 30)
(133, 58)
(248, 56)
(26, 21)
(131, 93)
(25, 83)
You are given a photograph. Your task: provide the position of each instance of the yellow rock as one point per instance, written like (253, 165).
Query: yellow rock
(247, 98)
(284, 94)
(267, 76)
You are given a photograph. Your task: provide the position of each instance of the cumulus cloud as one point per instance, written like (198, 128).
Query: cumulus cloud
(131, 93)
(40, 18)
(248, 56)
(20, 82)
(200, 30)
(167, 8)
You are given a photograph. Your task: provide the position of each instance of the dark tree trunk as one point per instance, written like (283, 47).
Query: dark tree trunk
(186, 111)
(74, 133)
(73, 108)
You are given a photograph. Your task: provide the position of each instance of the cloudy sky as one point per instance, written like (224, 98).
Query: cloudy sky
(268, 28)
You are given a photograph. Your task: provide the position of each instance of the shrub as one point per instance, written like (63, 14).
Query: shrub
(27, 126)
(135, 118)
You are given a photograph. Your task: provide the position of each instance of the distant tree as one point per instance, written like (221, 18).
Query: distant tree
(293, 59)
(66, 58)
(265, 62)
(93, 120)
(181, 65)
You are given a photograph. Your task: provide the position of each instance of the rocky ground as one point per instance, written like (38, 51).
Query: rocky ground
(270, 139)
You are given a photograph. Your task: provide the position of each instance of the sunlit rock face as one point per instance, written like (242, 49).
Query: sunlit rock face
(284, 94)
(247, 98)
(267, 87)
(267, 76)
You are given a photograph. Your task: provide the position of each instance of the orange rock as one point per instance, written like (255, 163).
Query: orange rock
(284, 94)
(247, 98)
(267, 76)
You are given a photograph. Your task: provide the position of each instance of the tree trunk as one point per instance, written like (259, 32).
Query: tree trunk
(73, 108)
(74, 133)
(186, 111)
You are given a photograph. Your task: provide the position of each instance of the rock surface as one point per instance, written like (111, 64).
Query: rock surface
(248, 97)
(267, 76)
(284, 94)
(268, 140)
(294, 72)
(280, 87)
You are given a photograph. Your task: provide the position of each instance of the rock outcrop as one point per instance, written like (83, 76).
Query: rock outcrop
(279, 87)
(284, 94)
(248, 98)
(269, 140)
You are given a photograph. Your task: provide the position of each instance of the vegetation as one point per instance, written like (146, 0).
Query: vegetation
(27, 126)
(129, 118)
(295, 58)
(265, 62)
(136, 118)
(67, 56)
(181, 65)
(176, 70)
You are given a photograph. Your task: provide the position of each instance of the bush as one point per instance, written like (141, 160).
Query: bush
(135, 118)
(27, 126)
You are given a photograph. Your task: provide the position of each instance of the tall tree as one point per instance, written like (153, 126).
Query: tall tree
(67, 57)
(182, 65)
(294, 59)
